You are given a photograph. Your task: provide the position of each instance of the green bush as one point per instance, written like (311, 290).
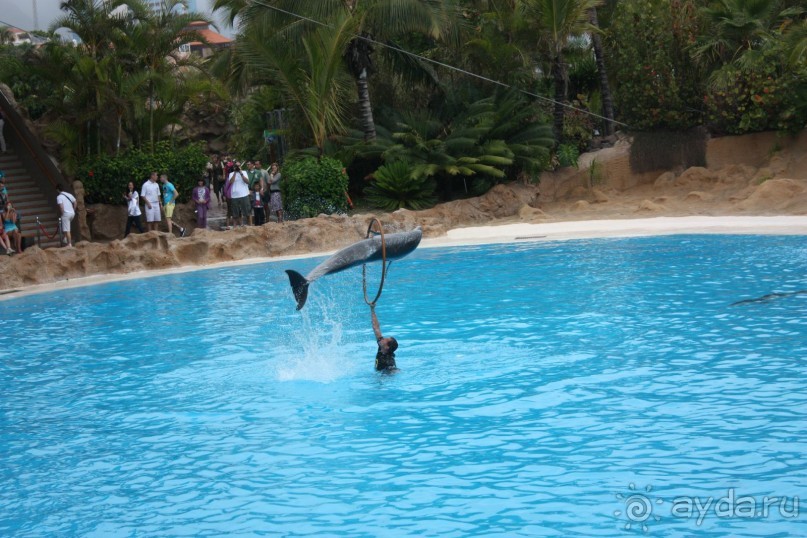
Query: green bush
(394, 188)
(658, 85)
(568, 155)
(312, 186)
(758, 97)
(105, 177)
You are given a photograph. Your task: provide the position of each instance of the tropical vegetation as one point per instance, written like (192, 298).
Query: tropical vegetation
(421, 100)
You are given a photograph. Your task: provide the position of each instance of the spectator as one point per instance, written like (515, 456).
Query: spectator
(228, 166)
(275, 200)
(3, 192)
(215, 176)
(67, 210)
(150, 193)
(254, 176)
(264, 175)
(4, 242)
(239, 192)
(264, 187)
(170, 195)
(10, 228)
(227, 191)
(201, 197)
(133, 211)
(259, 216)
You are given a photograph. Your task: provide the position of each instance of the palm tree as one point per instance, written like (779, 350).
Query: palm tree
(99, 26)
(734, 27)
(374, 21)
(796, 39)
(556, 21)
(97, 23)
(317, 83)
(605, 88)
(154, 40)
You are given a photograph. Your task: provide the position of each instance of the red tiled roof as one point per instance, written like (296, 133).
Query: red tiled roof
(212, 37)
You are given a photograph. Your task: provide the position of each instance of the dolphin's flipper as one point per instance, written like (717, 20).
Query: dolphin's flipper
(299, 285)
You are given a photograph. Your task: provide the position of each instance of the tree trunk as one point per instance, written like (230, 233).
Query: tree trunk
(605, 89)
(365, 107)
(559, 74)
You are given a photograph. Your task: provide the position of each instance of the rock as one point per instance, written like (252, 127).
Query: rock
(774, 194)
(650, 206)
(664, 180)
(531, 214)
(763, 174)
(579, 192)
(580, 205)
(81, 210)
(599, 196)
(743, 194)
(159, 250)
(106, 221)
(699, 196)
(696, 175)
(736, 173)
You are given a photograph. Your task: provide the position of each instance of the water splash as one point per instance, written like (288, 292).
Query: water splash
(317, 350)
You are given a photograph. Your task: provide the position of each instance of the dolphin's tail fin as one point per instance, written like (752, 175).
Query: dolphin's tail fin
(299, 285)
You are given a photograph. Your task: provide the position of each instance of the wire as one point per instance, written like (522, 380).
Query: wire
(447, 66)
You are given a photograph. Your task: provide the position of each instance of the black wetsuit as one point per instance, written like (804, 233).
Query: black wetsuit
(384, 361)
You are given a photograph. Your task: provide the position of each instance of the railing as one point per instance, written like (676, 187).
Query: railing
(33, 157)
(40, 229)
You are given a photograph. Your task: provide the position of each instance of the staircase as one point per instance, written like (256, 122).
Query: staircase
(29, 201)
(31, 178)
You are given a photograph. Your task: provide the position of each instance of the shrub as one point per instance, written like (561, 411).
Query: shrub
(568, 155)
(394, 188)
(757, 97)
(312, 186)
(105, 177)
(658, 85)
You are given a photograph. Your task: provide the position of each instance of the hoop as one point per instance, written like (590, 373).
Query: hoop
(383, 263)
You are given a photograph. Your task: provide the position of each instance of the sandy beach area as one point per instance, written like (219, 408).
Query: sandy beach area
(504, 233)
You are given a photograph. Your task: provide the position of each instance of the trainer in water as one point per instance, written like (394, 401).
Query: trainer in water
(385, 356)
(371, 249)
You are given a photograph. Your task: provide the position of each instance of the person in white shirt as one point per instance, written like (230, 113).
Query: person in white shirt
(133, 212)
(239, 195)
(150, 193)
(67, 210)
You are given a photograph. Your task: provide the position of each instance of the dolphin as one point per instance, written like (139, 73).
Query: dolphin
(770, 296)
(398, 245)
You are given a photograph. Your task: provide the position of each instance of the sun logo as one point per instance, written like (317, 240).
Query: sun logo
(638, 507)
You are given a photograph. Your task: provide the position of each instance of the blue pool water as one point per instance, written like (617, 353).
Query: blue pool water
(584, 388)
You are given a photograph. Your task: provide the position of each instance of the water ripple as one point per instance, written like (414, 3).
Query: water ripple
(538, 382)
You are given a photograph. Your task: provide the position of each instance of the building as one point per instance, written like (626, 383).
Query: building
(22, 37)
(215, 41)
